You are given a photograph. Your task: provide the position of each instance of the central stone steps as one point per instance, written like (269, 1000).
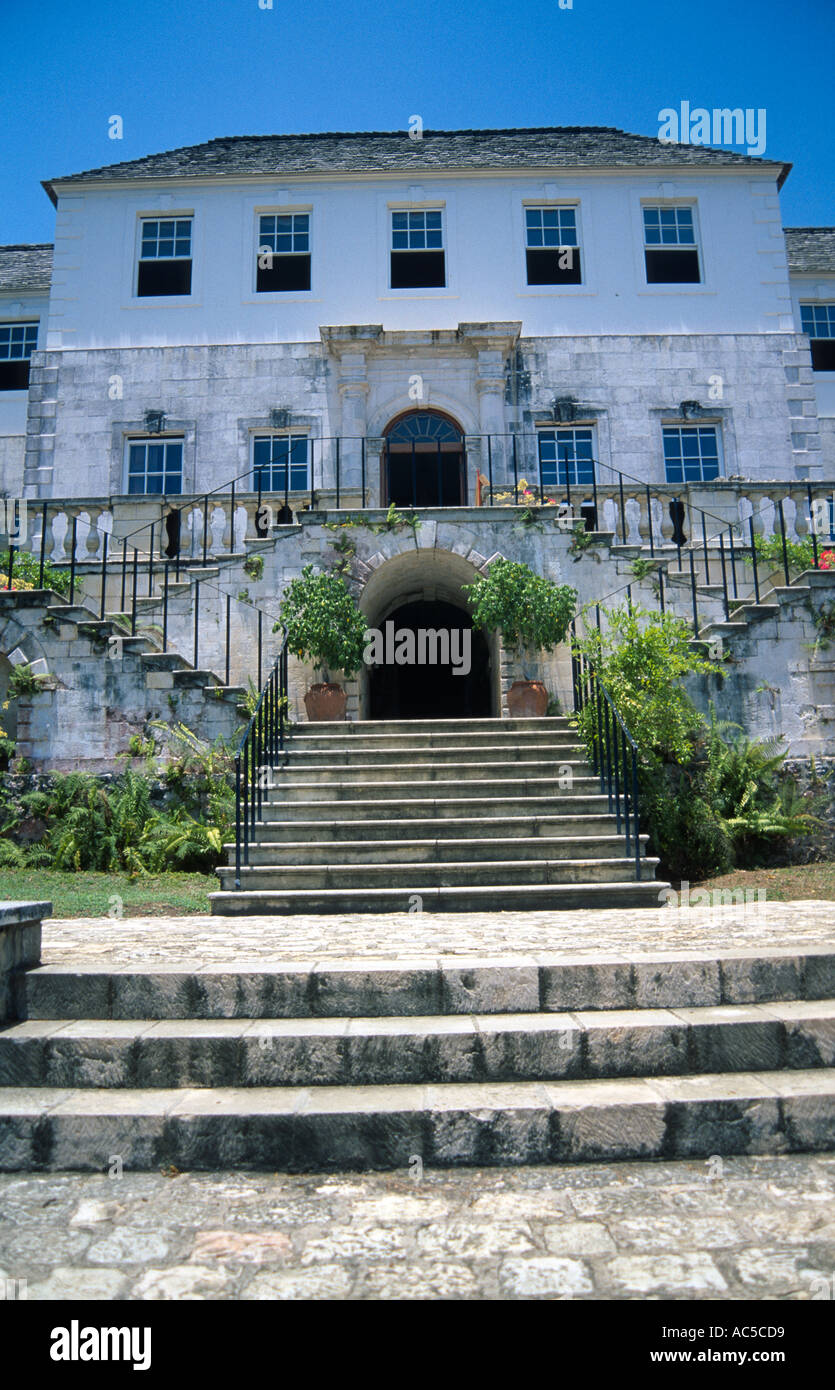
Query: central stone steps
(497, 783)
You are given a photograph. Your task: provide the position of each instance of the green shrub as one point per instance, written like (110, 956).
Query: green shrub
(117, 828)
(27, 573)
(530, 612)
(323, 622)
(710, 798)
(641, 658)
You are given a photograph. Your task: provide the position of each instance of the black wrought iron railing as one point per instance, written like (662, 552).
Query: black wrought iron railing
(612, 749)
(258, 754)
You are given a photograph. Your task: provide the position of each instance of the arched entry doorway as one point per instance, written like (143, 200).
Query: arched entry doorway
(435, 666)
(415, 606)
(424, 461)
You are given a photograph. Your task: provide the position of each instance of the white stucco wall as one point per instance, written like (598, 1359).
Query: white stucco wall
(744, 289)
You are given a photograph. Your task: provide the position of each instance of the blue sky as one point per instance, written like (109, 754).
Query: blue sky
(182, 71)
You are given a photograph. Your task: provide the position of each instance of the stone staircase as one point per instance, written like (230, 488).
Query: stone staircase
(435, 815)
(362, 1064)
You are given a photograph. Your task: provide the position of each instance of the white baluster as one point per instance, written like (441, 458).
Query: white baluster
(104, 527)
(217, 527)
(240, 524)
(60, 527)
(633, 521)
(767, 512)
(195, 526)
(82, 532)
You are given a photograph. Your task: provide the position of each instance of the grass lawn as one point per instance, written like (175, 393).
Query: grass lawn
(781, 885)
(92, 895)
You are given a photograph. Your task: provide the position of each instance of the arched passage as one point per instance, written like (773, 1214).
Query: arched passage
(432, 664)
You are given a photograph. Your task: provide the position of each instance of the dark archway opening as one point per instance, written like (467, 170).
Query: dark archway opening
(424, 461)
(431, 689)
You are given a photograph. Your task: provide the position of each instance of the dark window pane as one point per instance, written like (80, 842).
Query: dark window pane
(285, 273)
(14, 376)
(677, 267)
(164, 277)
(544, 267)
(417, 270)
(823, 354)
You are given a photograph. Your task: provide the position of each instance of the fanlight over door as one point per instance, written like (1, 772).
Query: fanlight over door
(424, 461)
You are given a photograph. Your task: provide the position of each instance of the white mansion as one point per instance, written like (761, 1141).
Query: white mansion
(238, 307)
(335, 323)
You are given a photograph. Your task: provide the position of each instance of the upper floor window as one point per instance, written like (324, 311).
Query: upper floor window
(566, 456)
(552, 249)
(283, 251)
(691, 453)
(670, 249)
(155, 466)
(818, 320)
(165, 256)
(280, 463)
(17, 343)
(417, 250)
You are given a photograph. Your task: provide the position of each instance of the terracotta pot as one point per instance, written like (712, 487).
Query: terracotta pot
(527, 700)
(325, 701)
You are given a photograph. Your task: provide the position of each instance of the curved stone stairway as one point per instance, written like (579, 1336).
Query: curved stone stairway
(436, 815)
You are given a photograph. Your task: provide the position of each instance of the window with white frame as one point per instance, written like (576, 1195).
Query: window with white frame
(17, 343)
(671, 251)
(280, 462)
(283, 252)
(691, 453)
(164, 256)
(155, 466)
(818, 320)
(552, 248)
(417, 250)
(566, 456)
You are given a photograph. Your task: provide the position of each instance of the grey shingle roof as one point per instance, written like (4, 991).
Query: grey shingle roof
(602, 147)
(810, 248)
(26, 267)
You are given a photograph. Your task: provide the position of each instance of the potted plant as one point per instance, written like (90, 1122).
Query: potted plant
(325, 626)
(532, 615)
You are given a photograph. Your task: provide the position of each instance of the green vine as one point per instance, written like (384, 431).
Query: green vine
(25, 681)
(583, 542)
(641, 567)
(254, 567)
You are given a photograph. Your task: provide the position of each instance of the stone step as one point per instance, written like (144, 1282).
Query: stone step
(323, 1128)
(358, 753)
(427, 851)
(397, 1050)
(409, 728)
(415, 877)
(524, 827)
(355, 772)
(433, 807)
(295, 789)
(361, 988)
(303, 742)
(506, 897)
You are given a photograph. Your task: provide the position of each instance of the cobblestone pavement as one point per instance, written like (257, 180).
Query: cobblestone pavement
(742, 1228)
(205, 941)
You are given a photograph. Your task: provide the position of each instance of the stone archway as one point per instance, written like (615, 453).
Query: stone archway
(420, 591)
